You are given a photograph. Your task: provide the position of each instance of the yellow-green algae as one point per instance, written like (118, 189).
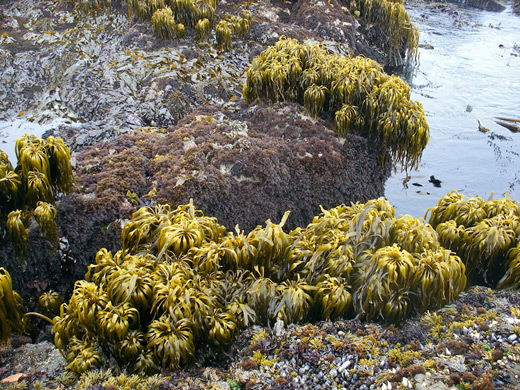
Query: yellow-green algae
(354, 90)
(182, 281)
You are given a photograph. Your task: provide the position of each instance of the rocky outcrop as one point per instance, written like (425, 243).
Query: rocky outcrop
(154, 121)
(242, 166)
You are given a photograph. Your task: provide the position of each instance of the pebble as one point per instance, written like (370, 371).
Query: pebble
(342, 367)
(512, 337)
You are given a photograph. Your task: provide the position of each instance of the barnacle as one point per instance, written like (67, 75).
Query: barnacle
(12, 318)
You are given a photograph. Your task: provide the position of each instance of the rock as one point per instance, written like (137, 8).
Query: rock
(242, 167)
(423, 382)
(30, 359)
(13, 378)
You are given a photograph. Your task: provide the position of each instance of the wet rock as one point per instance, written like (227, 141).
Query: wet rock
(488, 5)
(30, 359)
(241, 171)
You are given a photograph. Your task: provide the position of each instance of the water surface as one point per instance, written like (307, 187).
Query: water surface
(469, 70)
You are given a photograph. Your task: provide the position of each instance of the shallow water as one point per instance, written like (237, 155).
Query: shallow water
(473, 62)
(11, 130)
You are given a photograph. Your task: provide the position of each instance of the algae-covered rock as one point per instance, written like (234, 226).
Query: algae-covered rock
(242, 167)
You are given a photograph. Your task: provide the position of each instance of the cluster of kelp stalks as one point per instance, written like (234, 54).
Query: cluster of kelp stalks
(170, 18)
(182, 281)
(355, 91)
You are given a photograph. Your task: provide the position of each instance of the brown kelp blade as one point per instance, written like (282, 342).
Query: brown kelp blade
(511, 124)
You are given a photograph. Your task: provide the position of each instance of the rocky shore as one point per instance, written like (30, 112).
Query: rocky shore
(149, 120)
(153, 121)
(472, 343)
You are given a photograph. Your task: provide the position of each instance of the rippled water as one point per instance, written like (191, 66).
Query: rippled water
(466, 59)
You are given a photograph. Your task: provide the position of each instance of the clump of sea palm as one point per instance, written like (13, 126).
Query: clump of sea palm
(43, 171)
(12, 317)
(356, 91)
(223, 35)
(393, 18)
(181, 281)
(481, 232)
(163, 24)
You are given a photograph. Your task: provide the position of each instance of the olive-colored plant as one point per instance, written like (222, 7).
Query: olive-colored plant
(223, 36)
(356, 91)
(45, 215)
(202, 30)
(163, 23)
(49, 303)
(482, 233)
(43, 171)
(441, 277)
(181, 282)
(391, 17)
(385, 284)
(12, 318)
(511, 278)
(241, 26)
